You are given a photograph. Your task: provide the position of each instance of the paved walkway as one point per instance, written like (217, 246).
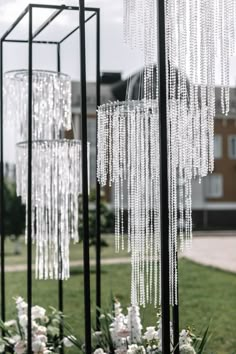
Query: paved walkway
(217, 249)
(106, 261)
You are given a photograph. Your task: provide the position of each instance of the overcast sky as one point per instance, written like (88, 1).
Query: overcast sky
(115, 56)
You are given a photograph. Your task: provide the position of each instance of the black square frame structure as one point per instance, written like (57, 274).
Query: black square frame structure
(32, 38)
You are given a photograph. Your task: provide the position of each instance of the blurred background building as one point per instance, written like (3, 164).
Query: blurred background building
(214, 199)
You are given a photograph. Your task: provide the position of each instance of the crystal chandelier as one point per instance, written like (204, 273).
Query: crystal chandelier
(56, 166)
(128, 132)
(51, 106)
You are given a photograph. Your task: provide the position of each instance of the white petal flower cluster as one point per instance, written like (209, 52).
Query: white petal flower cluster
(99, 351)
(126, 332)
(17, 333)
(125, 329)
(185, 343)
(136, 349)
(134, 325)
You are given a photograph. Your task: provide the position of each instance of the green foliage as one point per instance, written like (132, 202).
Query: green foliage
(14, 220)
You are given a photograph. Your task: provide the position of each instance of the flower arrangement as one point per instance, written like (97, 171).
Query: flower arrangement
(123, 334)
(45, 331)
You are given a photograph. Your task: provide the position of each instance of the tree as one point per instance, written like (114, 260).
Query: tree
(14, 217)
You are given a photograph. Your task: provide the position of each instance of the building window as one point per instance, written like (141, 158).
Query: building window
(232, 147)
(214, 186)
(218, 146)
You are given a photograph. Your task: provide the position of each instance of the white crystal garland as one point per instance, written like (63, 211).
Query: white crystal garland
(51, 103)
(128, 141)
(56, 185)
(56, 165)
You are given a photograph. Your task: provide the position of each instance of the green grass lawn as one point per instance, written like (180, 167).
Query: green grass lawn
(76, 251)
(205, 293)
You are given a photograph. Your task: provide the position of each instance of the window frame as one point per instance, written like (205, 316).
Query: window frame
(220, 156)
(230, 138)
(208, 192)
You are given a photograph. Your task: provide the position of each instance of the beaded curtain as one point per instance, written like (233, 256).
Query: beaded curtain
(197, 32)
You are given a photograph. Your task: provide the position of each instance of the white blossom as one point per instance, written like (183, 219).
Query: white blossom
(187, 349)
(38, 312)
(21, 306)
(67, 342)
(99, 351)
(10, 323)
(23, 319)
(135, 349)
(20, 347)
(38, 346)
(134, 324)
(117, 308)
(151, 334)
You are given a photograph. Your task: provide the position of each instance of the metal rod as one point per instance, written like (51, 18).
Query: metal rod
(2, 202)
(165, 296)
(98, 192)
(175, 314)
(48, 21)
(29, 190)
(60, 281)
(87, 304)
(15, 23)
(74, 30)
(26, 41)
(70, 8)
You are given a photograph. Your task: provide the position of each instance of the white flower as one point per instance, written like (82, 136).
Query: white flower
(41, 338)
(23, 319)
(117, 308)
(10, 323)
(15, 339)
(41, 330)
(184, 338)
(38, 346)
(2, 347)
(135, 349)
(134, 324)
(67, 342)
(21, 306)
(151, 334)
(99, 351)
(187, 349)
(38, 312)
(20, 347)
(121, 351)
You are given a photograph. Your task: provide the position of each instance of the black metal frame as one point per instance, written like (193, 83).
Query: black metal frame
(163, 160)
(31, 40)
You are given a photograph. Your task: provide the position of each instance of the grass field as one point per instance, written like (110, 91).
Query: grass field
(205, 294)
(76, 251)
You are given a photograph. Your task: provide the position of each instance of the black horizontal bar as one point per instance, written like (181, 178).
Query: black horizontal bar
(57, 7)
(26, 41)
(60, 8)
(48, 21)
(74, 30)
(15, 23)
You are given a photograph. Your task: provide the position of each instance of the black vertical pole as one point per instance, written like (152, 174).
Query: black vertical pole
(29, 190)
(175, 315)
(98, 197)
(60, 281)
(87, 305)
(2, 205)
(165, 296)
